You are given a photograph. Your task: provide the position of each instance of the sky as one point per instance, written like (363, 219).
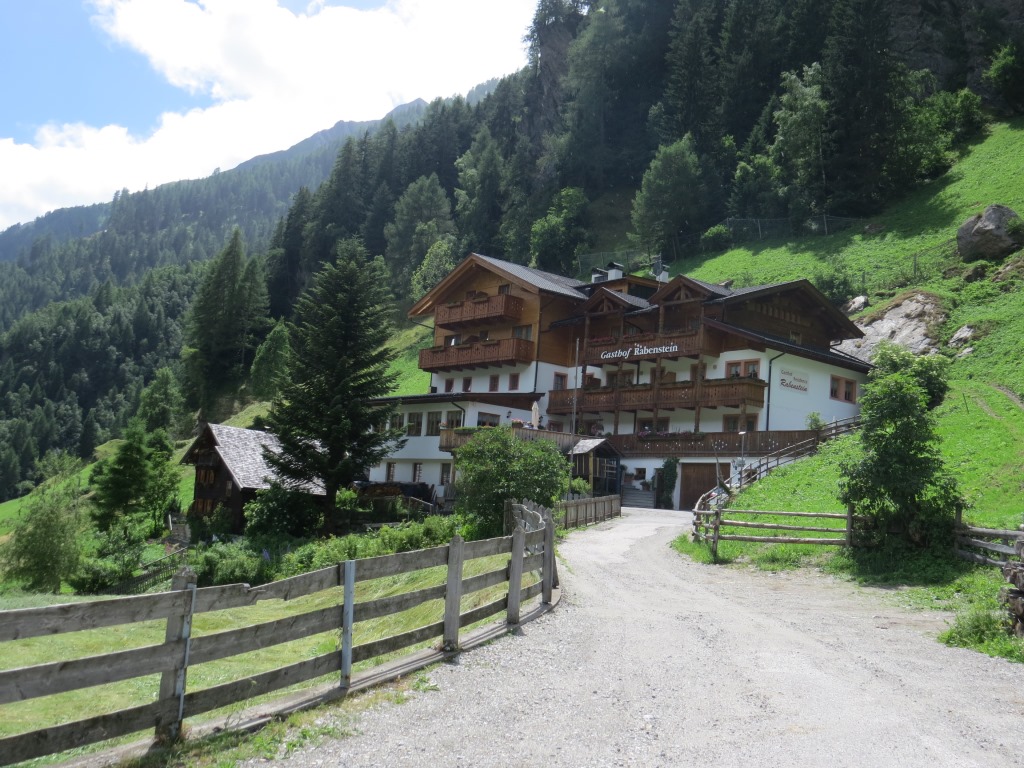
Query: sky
(100, 95)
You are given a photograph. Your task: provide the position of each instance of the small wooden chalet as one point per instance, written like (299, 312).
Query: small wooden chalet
(230, 468)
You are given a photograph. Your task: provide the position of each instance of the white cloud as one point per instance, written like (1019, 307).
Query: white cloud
(275, 78)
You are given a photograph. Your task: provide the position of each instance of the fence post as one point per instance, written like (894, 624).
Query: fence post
(515, 574)
(172, 682)
(453, 595)
(716, 522)
(348, 575)
(849, 525)
(549, 561)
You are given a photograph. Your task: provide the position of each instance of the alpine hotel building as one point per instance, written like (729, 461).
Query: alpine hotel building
(633, 369)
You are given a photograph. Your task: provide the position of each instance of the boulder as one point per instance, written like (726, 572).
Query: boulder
(855, 305)
(990, 235)
(962, 336)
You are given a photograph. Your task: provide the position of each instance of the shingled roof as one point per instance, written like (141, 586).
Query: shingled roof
(545, 281)
(241, 450)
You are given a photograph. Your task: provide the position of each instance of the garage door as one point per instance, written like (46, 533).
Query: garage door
(698, 479)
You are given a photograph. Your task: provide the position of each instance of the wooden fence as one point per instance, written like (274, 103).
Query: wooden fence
(987, 546)
(571, 513)
(530, 552)
(575, 513)
(708, 525)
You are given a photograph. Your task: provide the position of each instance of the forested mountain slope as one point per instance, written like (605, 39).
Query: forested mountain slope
(683, 112)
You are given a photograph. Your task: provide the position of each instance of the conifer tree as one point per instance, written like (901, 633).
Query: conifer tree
(329, 432)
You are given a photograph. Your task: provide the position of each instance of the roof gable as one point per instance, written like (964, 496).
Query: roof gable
(682, 288)
(605, 300)
(534, 280)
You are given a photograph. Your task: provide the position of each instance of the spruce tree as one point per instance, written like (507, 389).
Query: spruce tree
(329, 429)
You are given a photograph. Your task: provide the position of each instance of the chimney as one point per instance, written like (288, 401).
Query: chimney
(727, 283)
(598, 275)
(615, 270)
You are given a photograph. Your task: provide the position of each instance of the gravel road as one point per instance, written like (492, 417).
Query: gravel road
(653, 660)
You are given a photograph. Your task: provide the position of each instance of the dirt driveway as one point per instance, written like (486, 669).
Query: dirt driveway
(653, 660)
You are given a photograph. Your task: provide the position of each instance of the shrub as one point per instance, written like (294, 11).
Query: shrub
(230, 563)
(94, 575)
(718, 238)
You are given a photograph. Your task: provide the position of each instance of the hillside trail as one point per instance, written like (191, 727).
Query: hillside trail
(651, 659)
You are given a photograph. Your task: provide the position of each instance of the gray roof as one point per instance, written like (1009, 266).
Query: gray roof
(586, 445)
(545, 281)
(636, 301)
(241, 450)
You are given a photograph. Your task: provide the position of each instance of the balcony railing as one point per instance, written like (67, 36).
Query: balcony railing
(477, 355)
(713, 393)
(452, 439)
(646, 346)
(726, 444)
(503, 308)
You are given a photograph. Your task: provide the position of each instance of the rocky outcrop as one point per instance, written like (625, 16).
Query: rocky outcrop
(908, 323)
(991, 235)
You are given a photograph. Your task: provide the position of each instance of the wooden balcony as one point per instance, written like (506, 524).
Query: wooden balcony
(712, 393)
(724, 444)
(479, 354)
(488, 310)
(452, 439)
(645, 346)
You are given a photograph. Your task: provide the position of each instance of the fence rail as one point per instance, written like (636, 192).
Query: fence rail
(708, 525)
(997, 547)
(530, 552)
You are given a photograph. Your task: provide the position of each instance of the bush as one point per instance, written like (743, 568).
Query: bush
(836, 284)
(278, 511)
(718, 238)
(432, 532)
(230, 563)
(94, 575)
(494, 465)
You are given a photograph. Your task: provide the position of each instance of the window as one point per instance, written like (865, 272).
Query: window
(467, 384)
(493, 382)
(738, 423)
(561, 381)
(452, 341)
(843, 389)
(446, 474)
(623, 379)
(454, 419)
(488, 420)
(504, 289)
(397, 420)
(414, 427)
(433, 423)
(417, 472)
(389, 472)
(555, 426)
(449, 385)
(796, 337)
(739, 368)
(522, 332)
(513, 381)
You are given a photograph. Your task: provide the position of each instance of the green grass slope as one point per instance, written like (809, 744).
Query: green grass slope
(880, 252)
